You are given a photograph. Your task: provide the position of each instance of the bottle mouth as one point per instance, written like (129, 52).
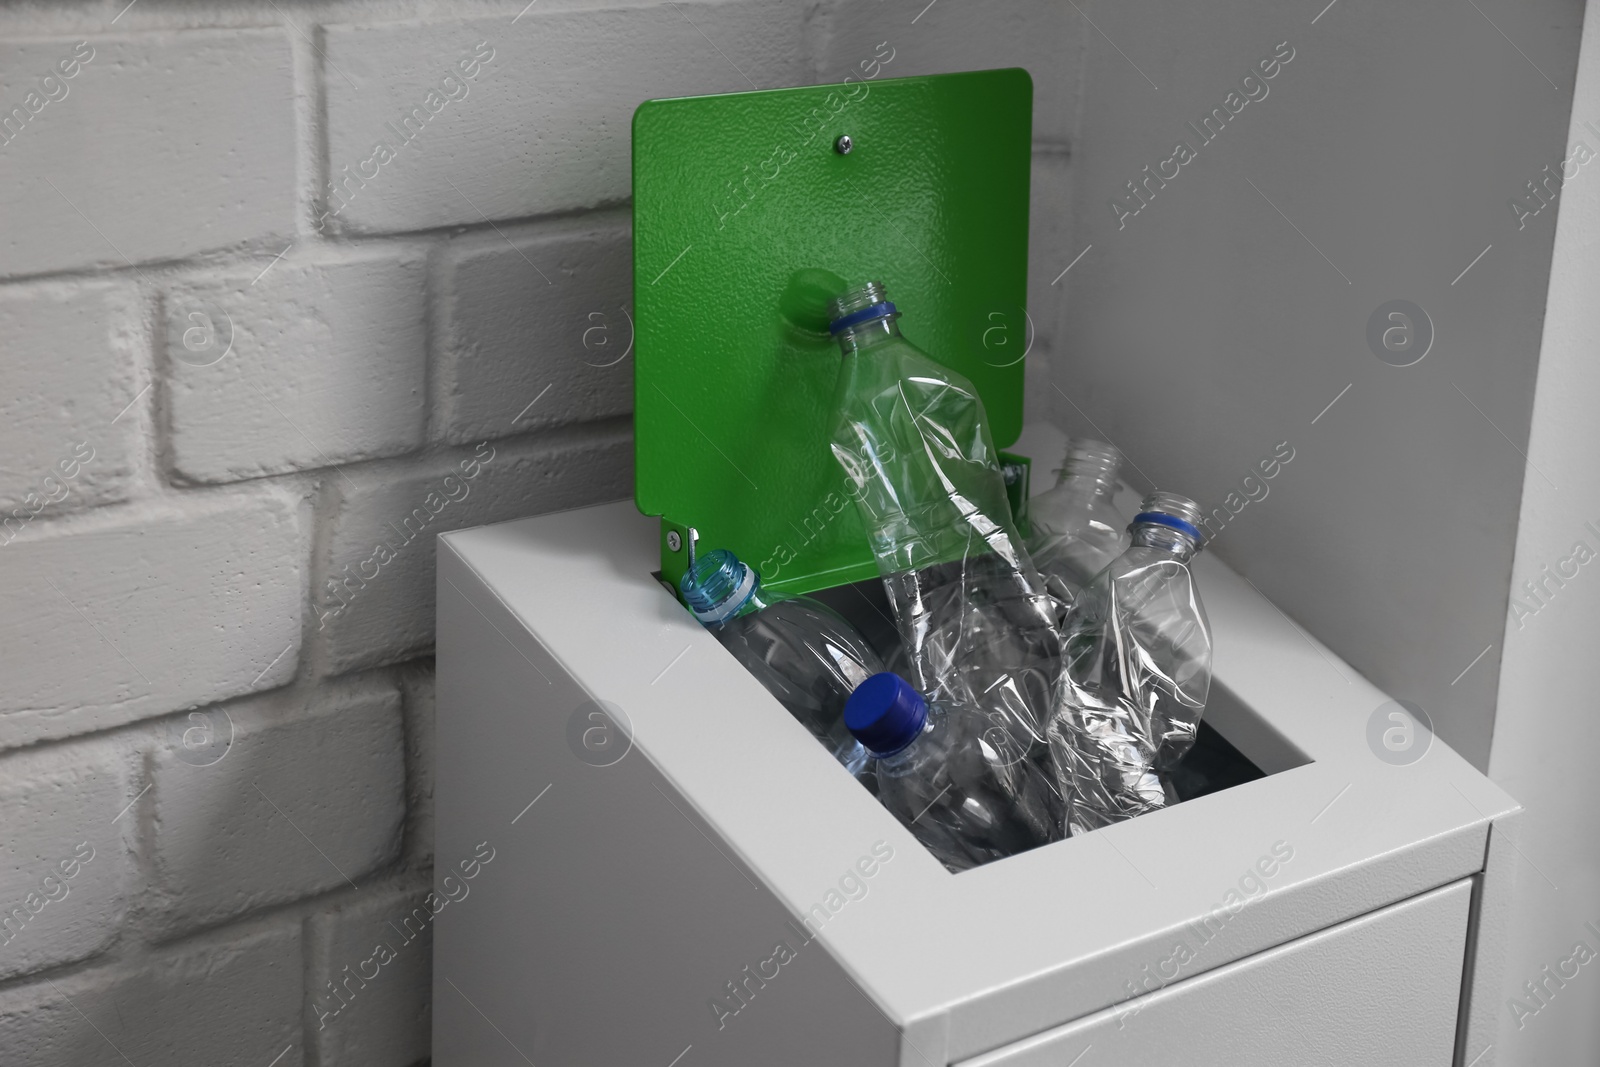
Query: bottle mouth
(885, 713)
(1087, 457)
(1172, 511)
(853, 307)
(717, 586)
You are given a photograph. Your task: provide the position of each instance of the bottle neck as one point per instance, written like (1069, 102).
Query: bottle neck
(758, 600)
(1165, 539)
(1089, 469)
(1091, 487)
(866, 335)
(717, 588)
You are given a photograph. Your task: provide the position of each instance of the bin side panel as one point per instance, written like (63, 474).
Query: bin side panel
(1381, 991)
(610, 925)
(1481, 1015)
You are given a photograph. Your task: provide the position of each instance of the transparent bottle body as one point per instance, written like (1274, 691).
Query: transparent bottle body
(1076, 529)
(811, 659)
(1135, 675)
(964, 800)
(978, 628)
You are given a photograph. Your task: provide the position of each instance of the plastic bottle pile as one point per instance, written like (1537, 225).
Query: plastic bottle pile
(1047, 686)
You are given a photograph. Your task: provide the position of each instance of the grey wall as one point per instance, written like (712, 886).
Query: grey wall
(1546, 730)
(1208, 329)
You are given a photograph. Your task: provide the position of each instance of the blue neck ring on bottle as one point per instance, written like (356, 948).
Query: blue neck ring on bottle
(866, 314)
(1161, 518)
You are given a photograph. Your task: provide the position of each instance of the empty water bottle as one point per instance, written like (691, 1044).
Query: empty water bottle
(978, 626)
(962, 799)
(1076, 529)
(803, 652)
(1135, 674)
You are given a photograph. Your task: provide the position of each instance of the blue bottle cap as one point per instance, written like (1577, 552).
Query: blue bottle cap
(885, 713)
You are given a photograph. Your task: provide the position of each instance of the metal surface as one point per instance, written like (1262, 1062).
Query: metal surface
(610, 916)
(746, 219)
(1328, 1000)
(962, 964)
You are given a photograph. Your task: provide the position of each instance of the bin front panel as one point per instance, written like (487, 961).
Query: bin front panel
(1380, 991)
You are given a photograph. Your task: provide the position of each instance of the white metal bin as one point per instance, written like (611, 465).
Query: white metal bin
(724, 893)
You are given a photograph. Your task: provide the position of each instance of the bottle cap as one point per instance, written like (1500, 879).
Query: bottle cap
(717, 586)
(885, 713)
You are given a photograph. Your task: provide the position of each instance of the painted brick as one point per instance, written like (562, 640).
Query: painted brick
(130, 612)
(416, 685)
(295, 807)
(1041, 36)
(382, 551)
(234, 1001)
(328, 364)
(64, 861)
(545, 124)
(69, 354)
(164, 144)
(369, 995)
(513, 334)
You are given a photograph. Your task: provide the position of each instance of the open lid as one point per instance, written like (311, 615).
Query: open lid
(747, 216)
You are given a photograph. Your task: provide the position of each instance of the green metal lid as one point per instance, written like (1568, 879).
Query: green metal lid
(747, 216)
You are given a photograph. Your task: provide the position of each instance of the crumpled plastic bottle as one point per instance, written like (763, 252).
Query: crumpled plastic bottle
(1136, 672)
(804, 653)
(1076, 528)
(963, 800)
(978, 627)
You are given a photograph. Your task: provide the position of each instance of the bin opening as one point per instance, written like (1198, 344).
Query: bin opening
(1233, 745)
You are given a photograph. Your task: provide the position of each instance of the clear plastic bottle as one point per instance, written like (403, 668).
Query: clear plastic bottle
(805, 653)
(978, 626)
(1076, 529)
(1136, 672)
(957, 795)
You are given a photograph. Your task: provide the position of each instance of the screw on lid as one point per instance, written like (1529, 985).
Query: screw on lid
(885, 713)
(717, 586)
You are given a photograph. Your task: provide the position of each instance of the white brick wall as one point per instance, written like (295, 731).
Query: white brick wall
(564, 291)
(297, 806)
(65, 431)
(373, 589)
(192, 147)
(279, 345)
(233, 1001)
(543, 125)
(64, 860)
(327, 365)
(141, 609)
(371, 980)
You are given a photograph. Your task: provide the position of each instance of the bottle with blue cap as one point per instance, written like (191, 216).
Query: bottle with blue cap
(966, 800)
(1076, 528)
(978, 626)
(805, 653)
(1136, 672)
